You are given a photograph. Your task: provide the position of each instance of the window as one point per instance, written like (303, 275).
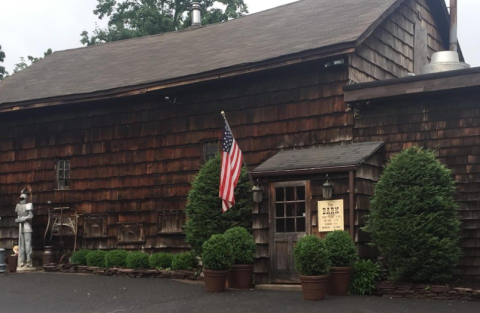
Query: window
(290, 209)
(209, 149)
(62, 177)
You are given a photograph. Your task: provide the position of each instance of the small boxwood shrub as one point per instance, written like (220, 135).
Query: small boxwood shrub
(184, 261)
(204, 207)
(413, 218)
(161, 260)
(311, 256)
(80, 257)
(116, 258)
(217, 253)
(137, 260)
(364, 275)
(243, 245)
(341, 248)
(96, 258)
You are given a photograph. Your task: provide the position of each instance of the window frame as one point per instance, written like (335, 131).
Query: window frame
(65, 178)
(204, 144)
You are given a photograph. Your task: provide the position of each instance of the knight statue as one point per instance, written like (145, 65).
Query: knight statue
(24, 211)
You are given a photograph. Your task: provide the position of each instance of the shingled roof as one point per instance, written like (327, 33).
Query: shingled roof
(323, 158)
(307, 25)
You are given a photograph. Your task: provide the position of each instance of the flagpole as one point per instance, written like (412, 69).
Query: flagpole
(243, 159)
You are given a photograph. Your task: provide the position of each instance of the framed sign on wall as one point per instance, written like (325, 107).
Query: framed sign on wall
(330, 216)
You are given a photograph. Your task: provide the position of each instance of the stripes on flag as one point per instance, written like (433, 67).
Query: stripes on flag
(232, 160)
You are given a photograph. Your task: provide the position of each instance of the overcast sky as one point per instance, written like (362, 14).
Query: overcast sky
(30, 27)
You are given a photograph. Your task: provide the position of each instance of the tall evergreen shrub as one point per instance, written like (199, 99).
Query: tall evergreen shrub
(413, 219)
(204, 208)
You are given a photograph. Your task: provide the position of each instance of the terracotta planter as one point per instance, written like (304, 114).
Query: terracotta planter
(314, 287)
(240, 276)
(12, 263)
(339, 281)
(215, 280)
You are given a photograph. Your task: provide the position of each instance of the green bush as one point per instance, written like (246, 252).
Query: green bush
(413, 219)
(96, 258)
(243, 245)
(204, 207)
(217, 253)
(184, 261)
(311, 256)
(137, 260)
(161, 260)
(341, 248)
(80, 257)
(116, 258)
(364, 276)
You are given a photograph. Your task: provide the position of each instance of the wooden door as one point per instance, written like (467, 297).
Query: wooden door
(290, 212)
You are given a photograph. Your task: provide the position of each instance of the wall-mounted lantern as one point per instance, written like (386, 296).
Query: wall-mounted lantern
(327, 189)
(257, 191)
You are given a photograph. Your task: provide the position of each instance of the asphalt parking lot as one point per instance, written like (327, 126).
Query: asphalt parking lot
(62, 293)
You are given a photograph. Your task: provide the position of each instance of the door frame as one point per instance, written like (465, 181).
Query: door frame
(271, 213)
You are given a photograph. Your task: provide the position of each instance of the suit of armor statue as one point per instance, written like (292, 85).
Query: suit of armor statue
(24, 211)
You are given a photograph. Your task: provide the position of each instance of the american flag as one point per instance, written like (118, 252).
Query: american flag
(232, 159)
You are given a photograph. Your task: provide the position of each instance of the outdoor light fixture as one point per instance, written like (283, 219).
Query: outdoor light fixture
(327, 189)
(257, 193)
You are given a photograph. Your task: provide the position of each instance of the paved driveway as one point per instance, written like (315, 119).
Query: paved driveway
(65, 293)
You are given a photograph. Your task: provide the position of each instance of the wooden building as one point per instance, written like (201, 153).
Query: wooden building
(116, 132)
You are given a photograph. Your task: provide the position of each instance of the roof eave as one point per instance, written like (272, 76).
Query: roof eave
(307, 171)
(242, 69)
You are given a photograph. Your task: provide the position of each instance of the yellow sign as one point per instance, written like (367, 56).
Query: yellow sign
(330, 216)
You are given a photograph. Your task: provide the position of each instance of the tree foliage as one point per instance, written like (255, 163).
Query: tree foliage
(204, 207)
(138, 18)
(413, 218)
(31, 60)
(3, 72)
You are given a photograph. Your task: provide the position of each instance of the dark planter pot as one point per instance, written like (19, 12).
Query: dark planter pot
(12, 263)
(215, 280)
(339, 281)
(3, 266)
(49, 257)
(240, 276)
(314, 287)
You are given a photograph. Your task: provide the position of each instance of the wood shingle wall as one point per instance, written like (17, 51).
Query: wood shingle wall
(450, 124)
(133, 159)
(402, 44)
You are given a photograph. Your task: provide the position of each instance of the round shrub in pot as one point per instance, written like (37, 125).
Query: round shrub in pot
(343, 255)
(217, 258)
(161, 260)
(137, 260)
(244, 248)
(116, 258)
(312, 261)
(96, 258)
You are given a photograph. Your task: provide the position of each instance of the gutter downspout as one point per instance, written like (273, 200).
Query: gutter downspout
(351, 190)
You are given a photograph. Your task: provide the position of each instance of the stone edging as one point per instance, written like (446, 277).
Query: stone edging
(390, 289)
(119, 272)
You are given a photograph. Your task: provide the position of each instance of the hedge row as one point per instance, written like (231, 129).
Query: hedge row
(134, 260)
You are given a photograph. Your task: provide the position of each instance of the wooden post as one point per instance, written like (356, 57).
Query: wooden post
(351, 181)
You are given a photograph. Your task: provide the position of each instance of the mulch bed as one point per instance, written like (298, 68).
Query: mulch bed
(119, 272)
(423, 291)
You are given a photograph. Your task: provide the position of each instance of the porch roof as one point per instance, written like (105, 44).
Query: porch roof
(324, 159)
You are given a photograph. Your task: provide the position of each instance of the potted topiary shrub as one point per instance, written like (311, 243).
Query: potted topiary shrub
(217, 258)
(244, 248)
(313, 263)
(343, 255)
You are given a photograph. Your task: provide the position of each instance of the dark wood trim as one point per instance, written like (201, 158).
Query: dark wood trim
(305, 171)
(413, 85)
